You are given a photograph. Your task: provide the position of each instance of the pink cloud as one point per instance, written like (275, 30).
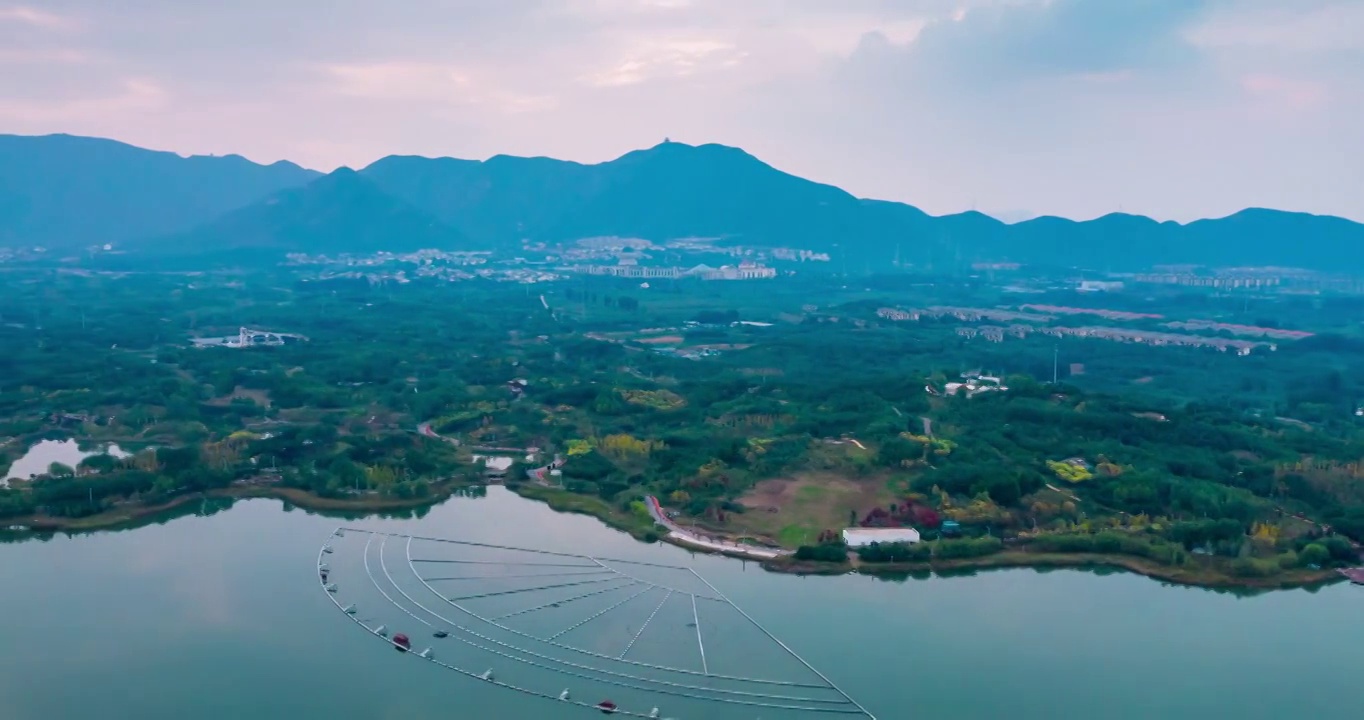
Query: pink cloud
(1295, 94)
(134, 96)
(42, 56)
(34, 17)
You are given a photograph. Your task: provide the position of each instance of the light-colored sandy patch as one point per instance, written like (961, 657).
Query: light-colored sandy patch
(661, 340)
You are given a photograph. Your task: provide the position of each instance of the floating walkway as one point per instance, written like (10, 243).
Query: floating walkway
(650, 635)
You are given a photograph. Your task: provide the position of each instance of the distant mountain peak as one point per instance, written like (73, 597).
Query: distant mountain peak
(342, 174)
(71, 192)
(341, 212)
(66, 191)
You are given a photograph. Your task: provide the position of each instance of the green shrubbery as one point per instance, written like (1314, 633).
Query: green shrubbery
(1113, 543)
(894, 552)
(830, 552)
(923, 551)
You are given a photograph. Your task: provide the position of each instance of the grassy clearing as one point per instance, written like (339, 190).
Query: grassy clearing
(794, 511)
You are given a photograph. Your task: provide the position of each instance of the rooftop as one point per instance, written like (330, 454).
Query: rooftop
(858, 537)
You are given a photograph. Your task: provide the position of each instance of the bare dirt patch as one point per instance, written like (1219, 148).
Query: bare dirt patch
(660, 340)
(795, 510)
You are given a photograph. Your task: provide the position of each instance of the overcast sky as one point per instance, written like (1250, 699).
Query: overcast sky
(1173, 108)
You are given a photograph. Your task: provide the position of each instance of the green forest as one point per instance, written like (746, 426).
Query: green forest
(775, 411)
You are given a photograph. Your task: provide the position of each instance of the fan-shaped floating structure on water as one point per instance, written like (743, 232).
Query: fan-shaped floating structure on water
(629, 630)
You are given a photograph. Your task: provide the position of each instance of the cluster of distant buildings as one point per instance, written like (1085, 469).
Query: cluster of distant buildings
(402, 268)
(1105, 314)
(795, 255)
(972, 384)
(246, 337)
(1158, 339)
(419, 257)
(742, 271)
(964, 314)
(995, 333)
(1251, 278)
(1249, 330)
(1270, 279)
(467, 265)
(1022, 324)
(1210, 281)
(598, 251)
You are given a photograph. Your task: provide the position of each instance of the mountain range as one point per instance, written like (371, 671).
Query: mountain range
(63, 192)
(67, 193)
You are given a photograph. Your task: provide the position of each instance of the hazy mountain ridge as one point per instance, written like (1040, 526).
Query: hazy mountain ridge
(342, 212)
(65, 191)
(669, 191)
(675, 190)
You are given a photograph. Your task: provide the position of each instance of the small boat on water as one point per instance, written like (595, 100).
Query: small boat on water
(607, 707)
(401, 642)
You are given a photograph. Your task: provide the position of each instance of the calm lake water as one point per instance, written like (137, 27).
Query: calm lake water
(40, 457)
(220, 617)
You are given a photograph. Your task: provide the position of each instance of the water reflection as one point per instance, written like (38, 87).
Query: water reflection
(44, 453)
(206, 506)
(234, 590)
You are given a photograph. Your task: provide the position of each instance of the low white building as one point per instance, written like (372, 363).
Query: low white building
(860, 537)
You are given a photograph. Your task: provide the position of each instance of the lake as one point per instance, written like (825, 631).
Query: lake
(220, 615)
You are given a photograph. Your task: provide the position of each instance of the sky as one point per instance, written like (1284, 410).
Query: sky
(1177, 109)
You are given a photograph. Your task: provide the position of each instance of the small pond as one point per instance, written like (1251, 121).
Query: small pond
(45, 452)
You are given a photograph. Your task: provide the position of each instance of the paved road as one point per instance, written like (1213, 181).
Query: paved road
(689, 537)
(425, 429)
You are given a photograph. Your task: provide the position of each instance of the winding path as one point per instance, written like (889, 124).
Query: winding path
(686, 537)
(424, 429)
(676, 533)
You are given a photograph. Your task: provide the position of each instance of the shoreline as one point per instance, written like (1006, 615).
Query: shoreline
(135, 514)
(1188, 576)
(1207, 577)
(564, 501)
(648, 530)
(677, 535)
